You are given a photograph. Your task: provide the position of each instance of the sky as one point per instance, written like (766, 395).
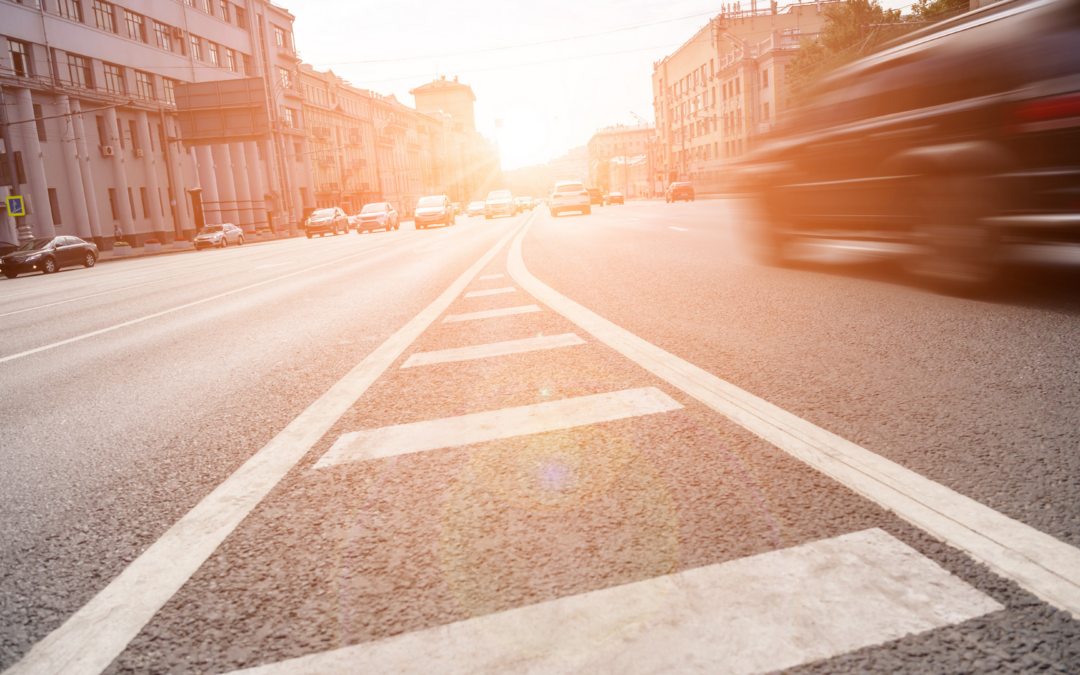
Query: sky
(553, 72)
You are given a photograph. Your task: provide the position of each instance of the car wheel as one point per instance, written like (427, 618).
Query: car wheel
(487, 217)
(240, 241)
(587, 211)
(11, 275)
(224, 242)
(90, 260)
(309, 235)
(48, 266)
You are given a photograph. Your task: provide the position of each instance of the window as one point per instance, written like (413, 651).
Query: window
(102, 130)
(287, 117)
(79, 71)
(223, 7)
(144, 85)
(249, 68)
(764, 78)
(230, 59)
(42, 136)
(145, 202)
(162, 36)
(131, 202)
(134, 134)
(196, 48)
(103, 16)
(69, 9)
(114, 79)
(279, 37)
(241, 21)
(161, 137)
(54, 204)
(215, 58)
(169, 86)
(20, 58)
(134, 23)
(286, 78)
(112, 203)
(765, 112)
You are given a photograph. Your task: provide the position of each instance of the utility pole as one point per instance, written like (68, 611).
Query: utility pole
(22, 229)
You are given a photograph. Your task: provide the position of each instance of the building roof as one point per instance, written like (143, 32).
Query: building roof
(441, 84)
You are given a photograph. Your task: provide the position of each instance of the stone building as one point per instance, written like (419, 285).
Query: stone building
(615, 141)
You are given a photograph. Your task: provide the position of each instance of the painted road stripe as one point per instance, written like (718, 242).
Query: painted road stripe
(1037, 561)
(488, 313)
(491, 276)
(680, 229)
(493, 291)
(757, 614)
(95, 635)
(493, 349)
(452, 432)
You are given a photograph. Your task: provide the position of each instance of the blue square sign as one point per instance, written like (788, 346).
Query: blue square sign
(16, 206)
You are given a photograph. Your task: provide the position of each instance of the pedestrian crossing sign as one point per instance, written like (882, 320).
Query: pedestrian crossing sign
(16, 206)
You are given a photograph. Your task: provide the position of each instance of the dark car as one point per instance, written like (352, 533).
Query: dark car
(327, 221)
(437, 210)
(596, 197)
(377, 216)
(615, 198)
(48, 254)
(677, 191)
(945, 149)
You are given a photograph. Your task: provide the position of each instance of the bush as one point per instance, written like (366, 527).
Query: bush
(179, 239)
(120, 243)
(151, 240)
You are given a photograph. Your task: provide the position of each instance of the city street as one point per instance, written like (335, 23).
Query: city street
(606, 443)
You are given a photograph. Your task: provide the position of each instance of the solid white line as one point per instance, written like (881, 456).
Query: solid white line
(95, 635)
(493, 349)
(680, 229)
(491, 276)
(1037, 561)
(450, 432)
(762, 613)
(493, 291)
(489, 313)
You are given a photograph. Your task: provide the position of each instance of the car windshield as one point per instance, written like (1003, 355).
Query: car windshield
(476, 205)
(210, 229)
(36, 244)
(429, 201)
(323, 213)
(570, 187)
(374, 208)
(499, 194)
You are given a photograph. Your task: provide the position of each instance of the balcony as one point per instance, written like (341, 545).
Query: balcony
(286, 53)
(413, 147)
(396, 124)
(385, 139)
(293, 93)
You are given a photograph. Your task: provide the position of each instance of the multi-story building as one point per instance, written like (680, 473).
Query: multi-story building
(725, 87)
(89, 92)
(574, 165)
(615, 141)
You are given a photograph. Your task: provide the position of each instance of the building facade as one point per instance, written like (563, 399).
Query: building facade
(89, 96)
(724, 88)
(574, 165)
(615, 141)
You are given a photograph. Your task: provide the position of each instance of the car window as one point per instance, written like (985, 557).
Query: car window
(431, 201)
(499, 194)
(374, 208)
(570, 187)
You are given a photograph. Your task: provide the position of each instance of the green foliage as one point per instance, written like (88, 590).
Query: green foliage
(938, 10)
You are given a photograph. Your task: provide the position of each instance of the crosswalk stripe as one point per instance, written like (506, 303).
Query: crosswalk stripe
(757, 614)
(537, 418)
(491, 276)
(488, 313)
(492, 291)
(492, 349)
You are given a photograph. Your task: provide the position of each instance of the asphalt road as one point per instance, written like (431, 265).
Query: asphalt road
(312, 450)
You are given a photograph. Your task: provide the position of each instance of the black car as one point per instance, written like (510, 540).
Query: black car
(596, 197)
(946, 149)
(327, 221)
(677, 191)
(615, 198)
(48, 254)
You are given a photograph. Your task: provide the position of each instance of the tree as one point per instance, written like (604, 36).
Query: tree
(938, 10)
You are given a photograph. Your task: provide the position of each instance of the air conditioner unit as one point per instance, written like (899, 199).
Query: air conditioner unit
(138, 152)
(107, 151)
(177, 32)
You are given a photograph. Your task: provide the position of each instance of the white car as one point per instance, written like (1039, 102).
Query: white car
(570, 196)
(500, 203)
(475, 209)
(219, 236)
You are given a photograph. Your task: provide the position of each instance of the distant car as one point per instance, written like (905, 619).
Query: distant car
(596, 197)
(48, 254)
(677, 191)
(377, 216)
(327, 221)
(500, 203)
(434, 211)
(219, 236)
(615, 198)
(570, 196)
(475, 209)
(458, 211)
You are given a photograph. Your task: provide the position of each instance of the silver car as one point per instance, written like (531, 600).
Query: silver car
(219, 236)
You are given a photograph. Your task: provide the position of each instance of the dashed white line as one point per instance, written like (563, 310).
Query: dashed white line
(680, 229)
(491, 276)
(489, 313)
(493, 349)
(449, 432)
(492, 291)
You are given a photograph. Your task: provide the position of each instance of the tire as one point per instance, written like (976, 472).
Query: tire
(224, 242)
(48, 266)
(240, 241)
(11, 275)
(554, 213)
(309, 235)
(90, 260)
(487, 217)
(587, 211)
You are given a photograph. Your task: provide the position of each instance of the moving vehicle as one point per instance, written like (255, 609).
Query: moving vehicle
(220, 236)
(47, 255)
(377, 216)
(475, 209)
(326, 221)
(677, 191)
(596, 197)
(458, 211)
(615, 198)
(570, 196)
(500, 203)
(947, 149)
(434, 211)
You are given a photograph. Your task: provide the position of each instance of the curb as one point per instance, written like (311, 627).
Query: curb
(171, 251)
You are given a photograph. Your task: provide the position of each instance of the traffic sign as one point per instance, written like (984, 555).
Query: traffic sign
(16, 206)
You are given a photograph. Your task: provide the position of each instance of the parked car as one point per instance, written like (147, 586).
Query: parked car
(615, 198)
(47, 255)
(475, 209)
(219, 236)
(596, 197)
(434, 211)
(327, 221)
(570, 196)
(677, 191)
(458, 211)
(945, 149)
(377, 216)
(500, 203)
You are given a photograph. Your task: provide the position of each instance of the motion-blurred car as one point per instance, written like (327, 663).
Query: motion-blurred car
(377, 216)
(500, 203)
(945, 149)
(475, 209)
(570, 196)
(220, 236)
(326, 221)
(596, 197)
(438, 210)
(525, 203)
(47, 255)
(458, 211)
(677, 191)
(615, 198)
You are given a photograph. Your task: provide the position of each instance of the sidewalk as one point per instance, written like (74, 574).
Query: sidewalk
(167, 249)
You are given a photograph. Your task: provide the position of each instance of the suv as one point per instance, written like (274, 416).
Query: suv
(570, 196)
(434, 210)
(596, 196)
(677, 191)
(326, 221)
(943, 149)
(377, 216)
(500, 202)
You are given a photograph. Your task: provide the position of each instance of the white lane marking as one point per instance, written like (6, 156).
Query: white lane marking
(262, 267)
(492, 291)
(491, 276)
(680, 229)
(489, 313)
(1037, 561)
(762, 613)
(95, 635)
(155, 315)
(450, 432)
(94, 295)
(493, 349)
